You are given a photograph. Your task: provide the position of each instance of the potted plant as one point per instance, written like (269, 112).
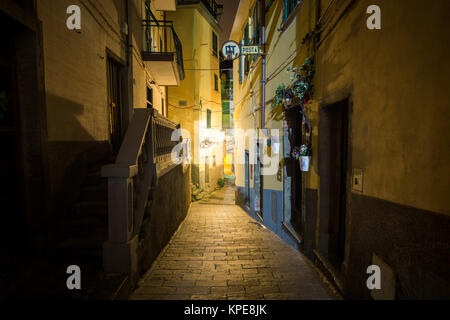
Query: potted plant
(273, 144)
(303, 155)
(299, 90)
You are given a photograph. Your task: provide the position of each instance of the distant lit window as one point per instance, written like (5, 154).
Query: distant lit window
(208, 119)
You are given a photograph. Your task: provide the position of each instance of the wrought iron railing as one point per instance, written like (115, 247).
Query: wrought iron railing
(212, 6)
(160, 38)
(163, 145)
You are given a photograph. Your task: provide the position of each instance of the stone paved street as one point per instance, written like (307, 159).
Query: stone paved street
(220, 252)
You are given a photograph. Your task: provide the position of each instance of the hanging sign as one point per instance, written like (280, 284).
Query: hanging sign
(245, 50)
(231, 50)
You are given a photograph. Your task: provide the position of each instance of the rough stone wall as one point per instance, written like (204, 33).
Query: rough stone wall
(168, 205)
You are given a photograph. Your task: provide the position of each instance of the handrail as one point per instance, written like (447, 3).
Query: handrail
(145, 155)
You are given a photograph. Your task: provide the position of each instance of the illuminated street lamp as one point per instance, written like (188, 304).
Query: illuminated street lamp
(287, 97)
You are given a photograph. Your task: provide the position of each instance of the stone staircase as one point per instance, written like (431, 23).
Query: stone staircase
(81, 239)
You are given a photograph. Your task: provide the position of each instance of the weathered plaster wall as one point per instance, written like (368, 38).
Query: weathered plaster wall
(398, 79)
(197, 91)
(75, 68)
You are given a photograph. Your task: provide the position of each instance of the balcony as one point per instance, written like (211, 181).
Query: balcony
(165, 5)
(211, 5)
(163, 52)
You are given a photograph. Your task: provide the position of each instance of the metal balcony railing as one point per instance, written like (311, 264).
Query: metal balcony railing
(212, 6)
(160, 38)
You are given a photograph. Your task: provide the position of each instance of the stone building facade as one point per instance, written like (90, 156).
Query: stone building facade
(196, 104)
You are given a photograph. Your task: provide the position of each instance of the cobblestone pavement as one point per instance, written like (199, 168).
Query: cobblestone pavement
(220, 252)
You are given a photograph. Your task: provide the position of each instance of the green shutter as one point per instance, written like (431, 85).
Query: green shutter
(214, 44)
(285, 9)
(241, 75)
(208, 119)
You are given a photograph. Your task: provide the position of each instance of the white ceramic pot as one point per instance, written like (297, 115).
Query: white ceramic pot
(276, 148)
(305, 162)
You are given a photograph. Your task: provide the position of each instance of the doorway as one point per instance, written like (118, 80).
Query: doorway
(293, 216)
(115, 104)
(13, 213)
(247, 179)
(207, 169)
(258, 184)
(333, 149)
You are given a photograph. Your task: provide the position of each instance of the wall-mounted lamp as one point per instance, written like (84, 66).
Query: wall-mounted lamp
(287, 97)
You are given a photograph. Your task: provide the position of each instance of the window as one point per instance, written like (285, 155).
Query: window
(208, 119)
(149, 97)
(241, 68)
(216, 82)
(215, 44)
(246, 58)
(289, 6)
(163, 107)
(255, 24)
(255, 30)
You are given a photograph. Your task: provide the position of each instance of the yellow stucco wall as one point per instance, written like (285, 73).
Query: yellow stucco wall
(284, 50)
(197, 90)
(399, 118)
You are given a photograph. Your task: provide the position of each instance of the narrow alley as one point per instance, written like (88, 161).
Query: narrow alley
(224, 150)
(219, 252)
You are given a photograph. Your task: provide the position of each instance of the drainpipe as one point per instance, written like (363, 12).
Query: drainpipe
(129, 53)
(263, 62)
(317, 27)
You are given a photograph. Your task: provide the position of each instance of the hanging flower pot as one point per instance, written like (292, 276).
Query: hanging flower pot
(276, 148)
(303, 155)
(304, 162)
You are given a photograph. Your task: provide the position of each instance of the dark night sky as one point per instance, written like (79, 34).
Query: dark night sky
(226, 20)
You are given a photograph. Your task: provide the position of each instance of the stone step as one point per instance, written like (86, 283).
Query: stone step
(95, 192)
(85, 226)
(91, 208)
(78, 250)
(94, 179)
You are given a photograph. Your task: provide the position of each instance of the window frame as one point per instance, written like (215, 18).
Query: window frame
(215, 44)
(288, 17)
(149, 97)
(216, 82)
(208, 118)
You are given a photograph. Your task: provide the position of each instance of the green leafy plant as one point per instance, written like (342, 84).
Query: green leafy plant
(221, 182)
(302, 151)
(301, 85)
(279, 93)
